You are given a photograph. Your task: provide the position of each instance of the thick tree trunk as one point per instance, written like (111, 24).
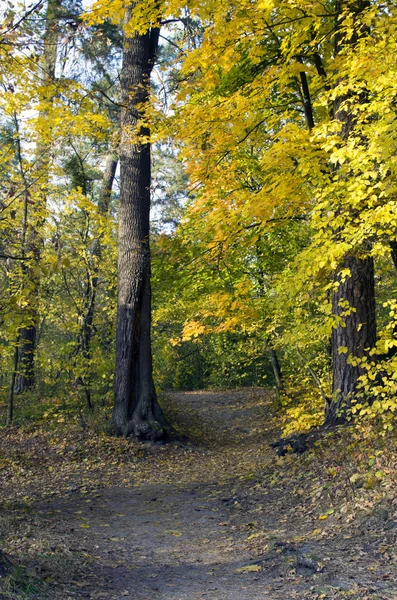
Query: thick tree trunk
(355, 334)
(136, 410)
(353, 297)
(25, 378)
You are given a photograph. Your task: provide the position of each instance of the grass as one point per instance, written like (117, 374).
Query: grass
(18, 585)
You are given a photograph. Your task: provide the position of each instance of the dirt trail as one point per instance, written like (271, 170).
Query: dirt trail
(170, 535)
(206, 520)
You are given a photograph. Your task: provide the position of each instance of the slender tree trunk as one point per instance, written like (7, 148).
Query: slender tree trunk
(109, 174)
(353, 297)
(103, 205)
(25, 378)
(276, 369)
(272, 353)
(136, 410)
(93, 280)
(10, 404)
(393, 252)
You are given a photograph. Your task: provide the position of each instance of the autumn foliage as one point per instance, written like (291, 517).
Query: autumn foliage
(272, 128)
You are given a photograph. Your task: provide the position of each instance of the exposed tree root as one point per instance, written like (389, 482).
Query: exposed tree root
(300, 442)
(149, 428)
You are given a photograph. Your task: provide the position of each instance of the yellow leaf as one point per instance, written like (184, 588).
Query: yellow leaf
(249, 569)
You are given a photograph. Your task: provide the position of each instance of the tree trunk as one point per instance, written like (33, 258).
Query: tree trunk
(11, 392)
(393, 252)
(355, 333)
(355, 336)
(25, 378)
(276, 369)
(109, 174)
(93, 280)
(136, 410)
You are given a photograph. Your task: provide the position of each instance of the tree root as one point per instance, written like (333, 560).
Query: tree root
(300, 442)
(148, 429)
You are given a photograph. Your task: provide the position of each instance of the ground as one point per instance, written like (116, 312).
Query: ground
(216, 516)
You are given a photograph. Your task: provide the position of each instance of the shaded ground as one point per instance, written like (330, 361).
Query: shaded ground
(218, 518)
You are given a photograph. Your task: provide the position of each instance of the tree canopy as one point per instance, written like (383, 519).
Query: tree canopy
(272, 133)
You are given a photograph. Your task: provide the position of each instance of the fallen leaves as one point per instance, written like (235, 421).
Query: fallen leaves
(297, 516)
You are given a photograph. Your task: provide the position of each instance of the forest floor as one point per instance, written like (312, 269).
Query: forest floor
(218, 517)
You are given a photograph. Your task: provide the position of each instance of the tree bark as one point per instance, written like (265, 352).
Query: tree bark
(109, 174)
(11, 392)
(25, 377)
(355, 332)
(136, 409)
(276, 369)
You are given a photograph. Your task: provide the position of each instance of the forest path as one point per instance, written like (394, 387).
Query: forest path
(218, 518)
(167, 534)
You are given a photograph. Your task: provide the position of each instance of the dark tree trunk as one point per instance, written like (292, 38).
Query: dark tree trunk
(11, 392)
(136, 410)
(355, 334)
(276, 369)
(25, 378)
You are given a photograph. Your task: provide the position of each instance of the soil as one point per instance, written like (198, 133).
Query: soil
(216, 517)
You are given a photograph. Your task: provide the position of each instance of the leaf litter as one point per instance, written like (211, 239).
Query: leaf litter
(218, 516)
